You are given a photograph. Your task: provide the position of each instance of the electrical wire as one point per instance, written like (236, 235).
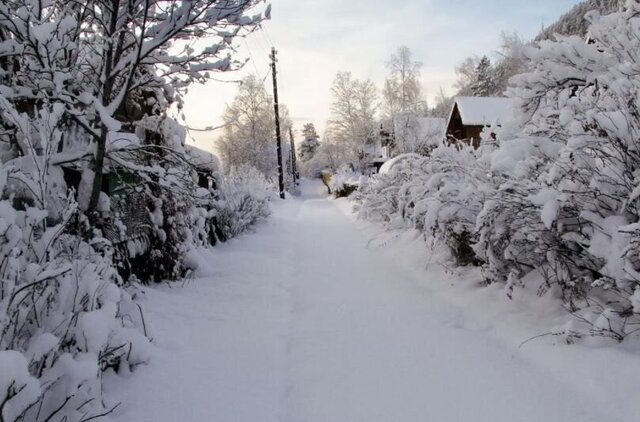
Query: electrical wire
(266, 33)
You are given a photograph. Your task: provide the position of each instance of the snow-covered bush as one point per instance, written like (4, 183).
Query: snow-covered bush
(452, 193)
(64, 316)
(64, 319)
(555, 199)
(344, 182)
(243, 198)
(379, 199)
(100, 60)
(440, 195)
(571, 207)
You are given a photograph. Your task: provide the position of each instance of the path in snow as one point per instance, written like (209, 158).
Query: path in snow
(301, 322)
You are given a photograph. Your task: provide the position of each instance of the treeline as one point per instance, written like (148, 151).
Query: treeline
(575, 22)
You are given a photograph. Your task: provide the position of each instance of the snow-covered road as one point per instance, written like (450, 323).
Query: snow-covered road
(302, 322)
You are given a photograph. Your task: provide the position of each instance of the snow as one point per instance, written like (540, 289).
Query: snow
(96, 326)
(344, 178)
(42, 345)
(122, 140)
(315, 317)
(483, 111)
(202, 159)
(18, 389)
(388, 165)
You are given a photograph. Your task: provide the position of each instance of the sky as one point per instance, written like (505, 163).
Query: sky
(316, 39)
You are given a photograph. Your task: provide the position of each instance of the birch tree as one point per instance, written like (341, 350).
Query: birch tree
(402, 92)
(353, 114)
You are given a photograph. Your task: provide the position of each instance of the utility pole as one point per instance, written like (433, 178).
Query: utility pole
(276, 108)
(294, 166)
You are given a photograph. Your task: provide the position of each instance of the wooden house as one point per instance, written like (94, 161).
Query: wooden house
(470, 115)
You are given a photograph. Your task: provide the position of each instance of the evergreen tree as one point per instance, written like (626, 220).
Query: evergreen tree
(484, 84)
(310, 143)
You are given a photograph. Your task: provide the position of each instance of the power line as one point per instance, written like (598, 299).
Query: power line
(261, 79)
(264, 30)
(253, 61)
(262, 42)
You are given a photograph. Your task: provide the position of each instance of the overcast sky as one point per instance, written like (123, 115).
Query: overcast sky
(317, 38)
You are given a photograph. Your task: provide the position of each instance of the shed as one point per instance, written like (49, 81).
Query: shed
(470, 115)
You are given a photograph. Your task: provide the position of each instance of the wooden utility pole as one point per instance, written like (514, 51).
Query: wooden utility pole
(294, 166)
(276, 108)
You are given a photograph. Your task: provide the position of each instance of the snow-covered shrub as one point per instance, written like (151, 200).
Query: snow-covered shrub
(440, 195)
(64, 319)
(344, 182)
(171, 237)
(571, 207)
(378, 200)
(243, 198)
(512, 215)
(174, 187)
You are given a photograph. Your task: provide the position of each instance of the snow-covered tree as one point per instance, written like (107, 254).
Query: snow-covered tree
(554, 201)
(465, 72)
(569, 207)
(484, 79)
(309, 144)
(442, 105)
(477, 77)
(249, 130)
(64, 318)
(352, 122)
(77, 79)
(511, 61)
(307, 150)
(93, 56)
(574, 22)
(249, 137)
(402, 92)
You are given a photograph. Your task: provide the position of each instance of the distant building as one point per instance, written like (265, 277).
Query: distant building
(375, 152)
(470, 115)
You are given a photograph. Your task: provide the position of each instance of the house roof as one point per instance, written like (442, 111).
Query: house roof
(482, 111)
(201, 158)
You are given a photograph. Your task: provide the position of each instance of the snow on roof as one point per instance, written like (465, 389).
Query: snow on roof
(201, 158)
(482, 111)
